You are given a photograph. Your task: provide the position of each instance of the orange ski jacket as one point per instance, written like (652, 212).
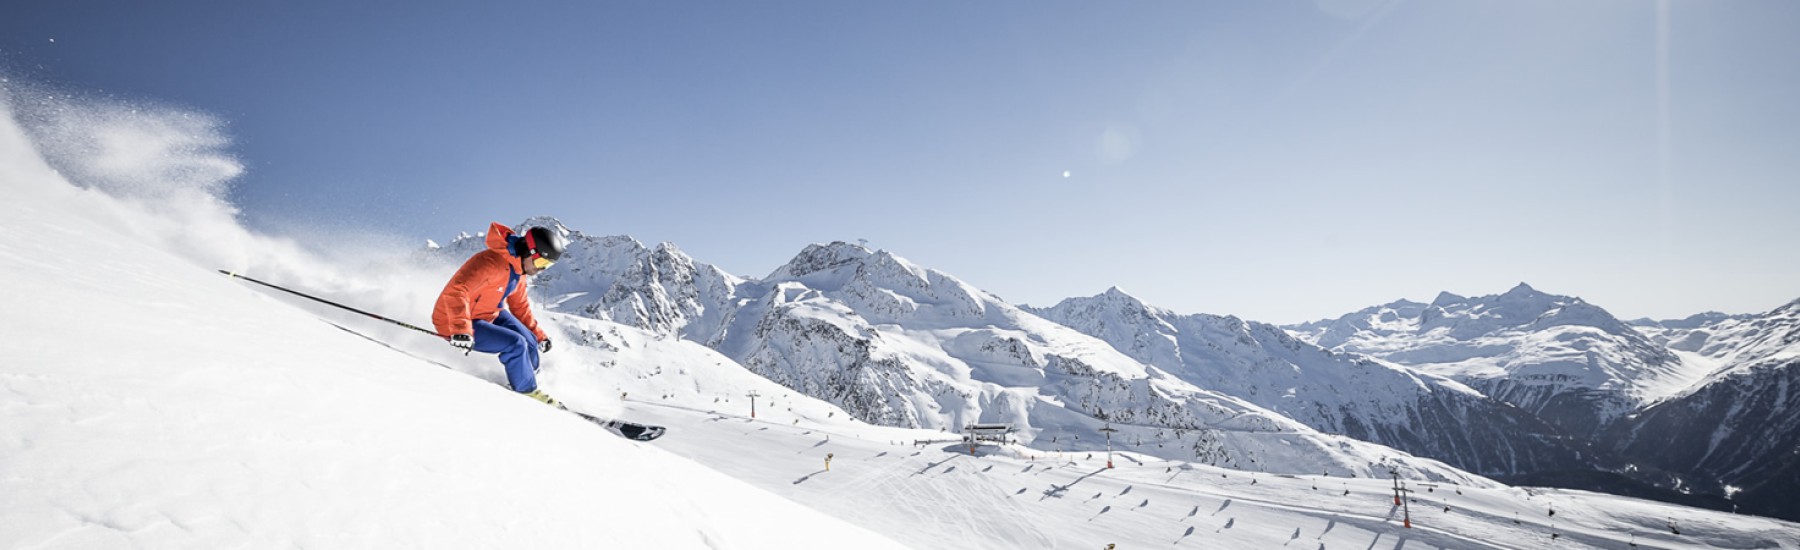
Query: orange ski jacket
(479, 288)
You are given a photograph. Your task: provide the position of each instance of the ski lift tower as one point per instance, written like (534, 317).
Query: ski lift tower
(753, 397)
(1108, 430)
(1403, 499)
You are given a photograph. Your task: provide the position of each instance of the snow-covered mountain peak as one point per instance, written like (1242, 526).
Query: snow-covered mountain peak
(1518, 306)
(1523, 294)
(1523, 290)
(1405, 305)
(1114, 303)
(818, 258)
(1791, 307)
(1514, 307)
(670, 259)
(550, 222)
(1521, 308)
(1446, 298)
(882, 286)
(1118, 317)
(886, 269)
(1116, 293)
(669, 249)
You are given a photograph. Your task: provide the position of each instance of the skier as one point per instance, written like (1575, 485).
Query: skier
(470, 308)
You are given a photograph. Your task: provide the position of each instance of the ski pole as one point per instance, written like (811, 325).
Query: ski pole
(333, 304)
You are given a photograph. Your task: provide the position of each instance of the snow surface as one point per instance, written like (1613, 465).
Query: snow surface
(147, 401)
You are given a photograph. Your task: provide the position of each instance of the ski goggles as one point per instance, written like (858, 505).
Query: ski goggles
(542, 262)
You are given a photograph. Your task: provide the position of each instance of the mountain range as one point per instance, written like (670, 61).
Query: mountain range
(896, 344)
(1696, 406)
(1352, 394)
(1520, 385)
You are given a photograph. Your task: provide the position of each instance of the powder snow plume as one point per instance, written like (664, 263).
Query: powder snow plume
(165, 171)
(165, 174)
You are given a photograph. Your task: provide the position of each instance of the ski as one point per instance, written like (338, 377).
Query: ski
(628, 430)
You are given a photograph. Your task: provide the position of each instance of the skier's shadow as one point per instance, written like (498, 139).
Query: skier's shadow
(807, 477)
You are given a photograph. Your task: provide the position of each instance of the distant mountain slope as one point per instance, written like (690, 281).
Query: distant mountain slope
(1344, 393)
(1706, 405)
(1561, 358)
(1738, 428)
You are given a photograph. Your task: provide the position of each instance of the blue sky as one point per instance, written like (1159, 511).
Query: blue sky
(1280, 161)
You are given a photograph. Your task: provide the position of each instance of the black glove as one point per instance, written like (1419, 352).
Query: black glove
(544, 346)
(463, 342)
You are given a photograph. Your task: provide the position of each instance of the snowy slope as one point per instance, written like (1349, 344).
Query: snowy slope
(937, 495)
(149, 402)
(1346, 393)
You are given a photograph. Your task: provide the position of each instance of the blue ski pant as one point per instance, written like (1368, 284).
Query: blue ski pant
(517, 346)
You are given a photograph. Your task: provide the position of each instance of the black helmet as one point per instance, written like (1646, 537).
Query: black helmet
(542, 242)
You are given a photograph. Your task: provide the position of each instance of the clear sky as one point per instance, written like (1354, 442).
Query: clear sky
(1280, 161)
